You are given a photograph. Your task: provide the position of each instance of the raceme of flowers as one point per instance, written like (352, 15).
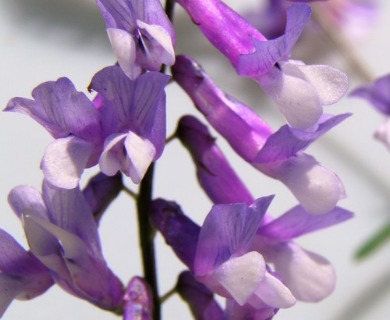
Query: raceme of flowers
(240, 252)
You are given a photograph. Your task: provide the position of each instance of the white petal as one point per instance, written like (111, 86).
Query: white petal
(64, 161)
(141, 153)
(125, 50)
(309, 276)
(241, 276)
(163, 38)
(274, 293)
(113, 155)
(383, 133)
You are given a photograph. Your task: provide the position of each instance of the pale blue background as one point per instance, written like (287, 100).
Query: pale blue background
(44, 39)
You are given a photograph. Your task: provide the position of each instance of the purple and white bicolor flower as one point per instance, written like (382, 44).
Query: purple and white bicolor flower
(221, 258)
(378, 95)
(63, 239)
(140, 33)
(299, 90)
(309, 276)
(277, 154)
(123, 128)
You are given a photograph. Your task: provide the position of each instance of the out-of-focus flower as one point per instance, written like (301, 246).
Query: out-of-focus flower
(300, 91)
(140, 33)
(378, 95)
(279, 154)
(62, 234)
(122, 129)
(138, 302)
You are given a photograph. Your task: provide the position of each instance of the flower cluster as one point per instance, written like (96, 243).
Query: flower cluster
(241, 252)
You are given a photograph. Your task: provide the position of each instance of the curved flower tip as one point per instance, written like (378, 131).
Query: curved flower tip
(138, 302)
(383, 133)
(300, 91)
(309, 276)
(317, 188)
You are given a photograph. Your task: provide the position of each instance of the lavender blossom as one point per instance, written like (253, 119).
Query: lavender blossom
(378, 95)
(309, 276)
(62, 235)
(140, 33)
(223, 260)
(278, 155)
(122, 129)
(300, 91)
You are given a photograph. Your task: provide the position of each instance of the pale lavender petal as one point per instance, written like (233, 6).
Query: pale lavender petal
(61, 109)
(274, 293)
(287, 141)
(22, 276)
(75, 266)
(125, 51)
(100, 191)
(317, 188)
(239, 276)
(138, 301)
(234, 311)
(270, 52)
(118, 13)
(68, 210)
(382, 133)
(22, 198)
(215, 174)
(309, 276)
(377, 93)
(178, 230)
(297, 221)
(199, 298)
(65, 160)
(228, 231)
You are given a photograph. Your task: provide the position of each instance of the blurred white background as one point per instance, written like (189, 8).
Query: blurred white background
(42, 40)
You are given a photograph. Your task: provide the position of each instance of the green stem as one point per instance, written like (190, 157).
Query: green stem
(146, 236)
(374, 243)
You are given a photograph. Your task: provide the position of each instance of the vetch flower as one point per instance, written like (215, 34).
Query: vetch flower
(300, 91)
(62, 234)
(309, 276)
(123, 128)
(22, 275)
(221, 258)
(140, 33)
(279, 154)
(378, 95)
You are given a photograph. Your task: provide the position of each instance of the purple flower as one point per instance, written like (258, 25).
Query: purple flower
(309, 276)
(223, 260)
(140, 33)
(300, 91)
(138, 302)
(22, 275)
(378, 95)
(278, 155)
(122, 129)
(62, 234)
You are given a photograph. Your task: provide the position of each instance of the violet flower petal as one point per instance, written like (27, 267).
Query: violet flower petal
(64, 161)
(297, 222)
(227, 231)
(179, 231)
(60, 109)
(215, 174)
(199, 298)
